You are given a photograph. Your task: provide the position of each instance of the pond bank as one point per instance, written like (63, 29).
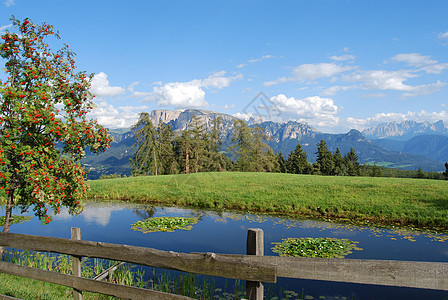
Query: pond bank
(417, 203)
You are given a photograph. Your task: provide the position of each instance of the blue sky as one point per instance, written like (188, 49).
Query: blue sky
(334, 65)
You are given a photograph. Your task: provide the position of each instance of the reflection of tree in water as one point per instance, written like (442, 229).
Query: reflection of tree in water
(145, 213)
(198, 214)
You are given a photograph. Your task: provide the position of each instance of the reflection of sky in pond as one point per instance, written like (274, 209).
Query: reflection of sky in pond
(225, 232)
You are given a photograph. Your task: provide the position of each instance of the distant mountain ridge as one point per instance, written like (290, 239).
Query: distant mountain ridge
(405, 130)
(285, 137)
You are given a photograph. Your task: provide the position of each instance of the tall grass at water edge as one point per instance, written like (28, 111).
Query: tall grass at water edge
(191, 285)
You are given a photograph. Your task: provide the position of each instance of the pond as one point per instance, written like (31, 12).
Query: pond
(225, 232)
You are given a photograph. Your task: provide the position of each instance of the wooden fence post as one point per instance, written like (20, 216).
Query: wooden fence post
(255, 246)
(76, 235)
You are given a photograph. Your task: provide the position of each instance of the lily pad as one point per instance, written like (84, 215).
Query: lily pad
(167, 224)
(315, 247)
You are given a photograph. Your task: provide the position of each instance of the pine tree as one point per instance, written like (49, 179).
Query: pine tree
(216, 160)
(282, 163)
(445, 174)
(324, 159)
(166, 136)
(297, 161)
(352, 164)
(198, 155)
(420, 173)
(376, 171)
(146, 157)
(263, 157)
(243, 139)
(251, 152)
(340, 168)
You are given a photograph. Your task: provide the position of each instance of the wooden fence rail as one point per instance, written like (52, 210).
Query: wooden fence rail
(254, 267)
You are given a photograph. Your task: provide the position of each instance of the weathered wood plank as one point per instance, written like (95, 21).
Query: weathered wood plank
(205, 264)
(426, 275)
(84, 284)
(255, 246)
(4, 297)
(76, 236)
(107, 272)
(413, 274)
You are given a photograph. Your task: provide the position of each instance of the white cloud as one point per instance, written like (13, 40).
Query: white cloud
(141, 94)
(101, 88)
(9, 3)
(244, 117)
(188, 94)
(314, 71)
(343, 57)
(261, 58)
(179, 95)
(382, 80)
(435, 68)
(334, 89)
(132, 86)
(315, 110)
(414, 59)
(392, 81)
(112, 117)
(375, 95)
(217, 80)
(255, 60)
(309, 72)
(277, 81)
(423, 62)
(425, 89)
(3, 28)
(443, 36)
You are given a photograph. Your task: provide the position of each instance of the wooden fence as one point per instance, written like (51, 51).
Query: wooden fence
(255, 268)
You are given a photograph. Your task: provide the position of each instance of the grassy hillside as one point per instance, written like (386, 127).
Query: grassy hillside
(416, 202)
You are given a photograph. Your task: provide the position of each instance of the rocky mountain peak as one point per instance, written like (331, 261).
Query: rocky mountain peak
(405, 130)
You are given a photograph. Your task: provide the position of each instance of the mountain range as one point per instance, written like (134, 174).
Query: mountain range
(408, 145)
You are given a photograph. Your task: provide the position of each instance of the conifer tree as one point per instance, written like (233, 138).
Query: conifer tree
(282, 163)
(263, 157)
(198, 154)
(297, 161)
(155, 151)
(252, 153)
(243, 139)
(351, 161)
(340, 168)
(216, 160)
(324, 159)
(420, 173)
(376, 171)
(166, 136)
(146, 158)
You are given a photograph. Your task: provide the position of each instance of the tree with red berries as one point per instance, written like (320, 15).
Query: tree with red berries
(44, 129)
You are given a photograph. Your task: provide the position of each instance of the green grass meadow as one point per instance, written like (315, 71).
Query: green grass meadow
(388, 201)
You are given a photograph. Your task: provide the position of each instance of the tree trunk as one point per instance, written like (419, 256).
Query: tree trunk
(9, 206)
(187, 161)
(155, 164)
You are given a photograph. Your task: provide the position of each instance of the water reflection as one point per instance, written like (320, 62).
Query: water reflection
(225, 232)
(145, 213)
